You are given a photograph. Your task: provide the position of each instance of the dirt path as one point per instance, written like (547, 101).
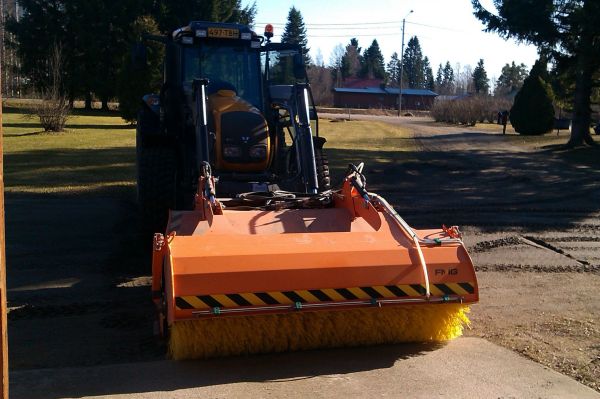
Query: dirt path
(531, 221)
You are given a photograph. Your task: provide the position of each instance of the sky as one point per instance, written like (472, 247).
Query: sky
(447, 29)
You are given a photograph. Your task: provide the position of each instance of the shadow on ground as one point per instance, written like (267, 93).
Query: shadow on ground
(173, 376)
(452, 187)
(96, 170)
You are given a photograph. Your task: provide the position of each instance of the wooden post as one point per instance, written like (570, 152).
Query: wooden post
(3, 324)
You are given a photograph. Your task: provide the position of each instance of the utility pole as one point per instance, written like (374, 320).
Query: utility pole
(402, 65)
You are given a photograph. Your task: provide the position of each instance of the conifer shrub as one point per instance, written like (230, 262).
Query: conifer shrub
(532, 112)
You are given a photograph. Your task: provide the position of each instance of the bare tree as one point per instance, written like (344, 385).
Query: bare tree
(321, 80)
(319, 58)
(335, 62)
(464, 82)
(53, 109)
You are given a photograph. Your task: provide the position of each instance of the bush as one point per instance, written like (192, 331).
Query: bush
(53, 111)
(469, 110)
(532, 112)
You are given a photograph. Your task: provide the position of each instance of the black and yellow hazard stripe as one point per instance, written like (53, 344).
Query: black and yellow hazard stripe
(321, 295)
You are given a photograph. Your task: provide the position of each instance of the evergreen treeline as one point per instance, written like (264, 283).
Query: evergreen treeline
(95, 38)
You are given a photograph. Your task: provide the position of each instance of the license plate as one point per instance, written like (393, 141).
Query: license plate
(225, 33)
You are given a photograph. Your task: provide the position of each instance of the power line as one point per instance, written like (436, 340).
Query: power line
(358, 35)
(359, 25)
(343, 27)
(437, 27)
(340, 24)
(349, 35)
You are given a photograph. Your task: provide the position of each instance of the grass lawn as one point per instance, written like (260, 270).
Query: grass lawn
(96, 153)
(375, 143)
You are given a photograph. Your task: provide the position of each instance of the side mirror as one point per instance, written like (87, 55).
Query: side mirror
(299, 68)
(139, 55)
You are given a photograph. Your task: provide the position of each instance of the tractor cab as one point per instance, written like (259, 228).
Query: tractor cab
(236, 102)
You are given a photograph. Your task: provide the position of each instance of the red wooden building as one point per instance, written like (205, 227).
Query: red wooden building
(382, 97)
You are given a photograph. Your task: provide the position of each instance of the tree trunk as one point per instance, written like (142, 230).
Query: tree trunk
(582, 118)
(88, 100)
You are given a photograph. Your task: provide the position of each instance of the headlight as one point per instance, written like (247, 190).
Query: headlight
(258, 151)
(232, 152)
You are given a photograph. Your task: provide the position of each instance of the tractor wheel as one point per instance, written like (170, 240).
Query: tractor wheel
(322, 164)
(156, 170)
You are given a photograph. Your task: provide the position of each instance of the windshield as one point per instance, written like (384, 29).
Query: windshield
(281, 66)
(231, 68)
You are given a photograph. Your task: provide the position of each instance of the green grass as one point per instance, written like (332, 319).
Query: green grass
(370, 136)
(95, 154)
(375, 143)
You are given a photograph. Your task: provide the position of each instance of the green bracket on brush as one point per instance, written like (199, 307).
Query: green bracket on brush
(216, 310)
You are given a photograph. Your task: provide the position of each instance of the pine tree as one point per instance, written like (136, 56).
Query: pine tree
(352, 60)
(511, 78)
(373, 65)
(393, 70)
(135, 82)
(428, 72)
(295, 33)
(480, 79)
(413, 64)
(171, 14)
(113, 20)
(448, 79)
(439, 78)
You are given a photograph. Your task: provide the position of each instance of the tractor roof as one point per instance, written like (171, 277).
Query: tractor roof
(215, 30)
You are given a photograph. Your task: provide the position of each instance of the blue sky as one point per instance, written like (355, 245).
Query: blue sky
(447, 29)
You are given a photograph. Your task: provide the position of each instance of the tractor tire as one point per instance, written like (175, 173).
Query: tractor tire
(322, 163)
(156, 184)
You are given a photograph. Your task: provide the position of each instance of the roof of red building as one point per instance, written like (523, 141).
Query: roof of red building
(358, 83)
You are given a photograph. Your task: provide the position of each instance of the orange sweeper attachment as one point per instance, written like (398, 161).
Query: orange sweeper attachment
(272, 272)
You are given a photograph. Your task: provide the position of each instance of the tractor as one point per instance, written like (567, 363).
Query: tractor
(236, 103)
